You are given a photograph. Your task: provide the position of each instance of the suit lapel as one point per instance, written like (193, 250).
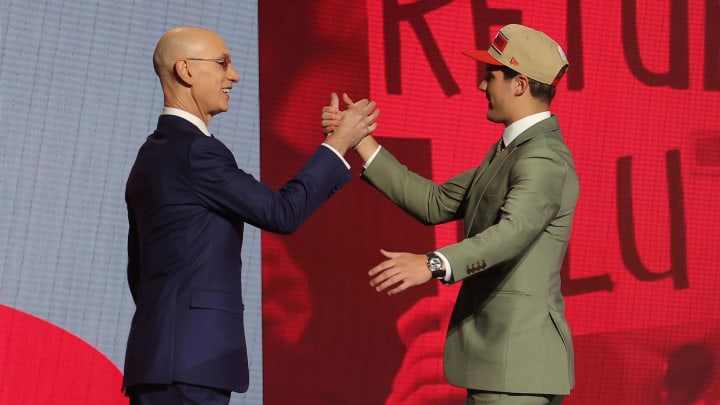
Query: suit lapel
(486, 173)
(489, 158)
(492, 169)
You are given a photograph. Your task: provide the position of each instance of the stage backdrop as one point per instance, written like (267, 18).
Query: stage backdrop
(639, 107)
(78, 96)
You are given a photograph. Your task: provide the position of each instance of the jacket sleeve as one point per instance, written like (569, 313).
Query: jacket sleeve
(223, 187)
(424, 200)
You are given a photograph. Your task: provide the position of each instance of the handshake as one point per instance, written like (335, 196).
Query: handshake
(349, 128)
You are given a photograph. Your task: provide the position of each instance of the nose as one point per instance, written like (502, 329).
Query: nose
(483, 85)
(233, 75)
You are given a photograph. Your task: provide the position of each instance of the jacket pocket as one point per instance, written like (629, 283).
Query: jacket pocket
(222, 301)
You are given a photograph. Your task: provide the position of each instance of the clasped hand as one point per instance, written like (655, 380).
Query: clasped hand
(345, 129)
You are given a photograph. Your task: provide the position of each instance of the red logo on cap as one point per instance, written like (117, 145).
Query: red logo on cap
(514, 61)
(500, 42)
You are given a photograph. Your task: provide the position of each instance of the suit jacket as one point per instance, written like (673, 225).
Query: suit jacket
(187, 204)
(508, 330)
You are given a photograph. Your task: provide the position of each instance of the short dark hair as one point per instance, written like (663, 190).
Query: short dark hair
(541, 91)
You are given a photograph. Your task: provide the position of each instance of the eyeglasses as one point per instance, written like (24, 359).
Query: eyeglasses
(224, 62)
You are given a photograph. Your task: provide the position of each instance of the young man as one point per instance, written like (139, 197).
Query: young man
(508, 341)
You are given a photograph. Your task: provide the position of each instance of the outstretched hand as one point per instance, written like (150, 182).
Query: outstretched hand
(346, 128)
(400, 272)
(331, 114)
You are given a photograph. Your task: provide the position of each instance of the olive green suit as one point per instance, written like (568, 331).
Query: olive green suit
(508, 331)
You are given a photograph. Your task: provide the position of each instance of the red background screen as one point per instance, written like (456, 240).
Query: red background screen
(638, 107)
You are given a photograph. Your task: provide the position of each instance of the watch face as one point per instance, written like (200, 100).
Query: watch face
(434, 263)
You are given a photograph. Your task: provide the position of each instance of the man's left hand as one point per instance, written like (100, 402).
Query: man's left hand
(401, 271)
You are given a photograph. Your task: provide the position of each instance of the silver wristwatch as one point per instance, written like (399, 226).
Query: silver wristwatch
(435, 265)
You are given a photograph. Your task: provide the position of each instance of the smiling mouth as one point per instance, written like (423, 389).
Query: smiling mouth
(226, 91)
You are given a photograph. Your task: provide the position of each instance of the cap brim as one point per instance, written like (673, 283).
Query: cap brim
(481, 56)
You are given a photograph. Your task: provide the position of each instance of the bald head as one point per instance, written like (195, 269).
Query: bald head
(195, 71)
(179, 42)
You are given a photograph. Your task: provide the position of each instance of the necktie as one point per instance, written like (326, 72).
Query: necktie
(498, 148)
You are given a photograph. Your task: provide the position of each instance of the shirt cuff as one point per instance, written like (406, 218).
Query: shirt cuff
(338, 155)
(372, 157)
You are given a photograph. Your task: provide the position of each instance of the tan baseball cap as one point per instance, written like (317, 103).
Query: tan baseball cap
(526, 51)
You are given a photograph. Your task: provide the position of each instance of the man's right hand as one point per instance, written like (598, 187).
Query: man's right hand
(330, 117)
(344, 130)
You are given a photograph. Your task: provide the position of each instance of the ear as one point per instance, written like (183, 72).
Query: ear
(521, 84)
(182, 72)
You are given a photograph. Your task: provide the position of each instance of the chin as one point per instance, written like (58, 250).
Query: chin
(219, 110)
(494, 119)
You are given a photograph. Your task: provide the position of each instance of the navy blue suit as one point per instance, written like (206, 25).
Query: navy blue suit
(187, 204)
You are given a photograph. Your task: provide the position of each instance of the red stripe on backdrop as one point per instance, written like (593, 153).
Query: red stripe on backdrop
(639, 112)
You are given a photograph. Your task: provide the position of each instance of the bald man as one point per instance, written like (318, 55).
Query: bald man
(187, 205)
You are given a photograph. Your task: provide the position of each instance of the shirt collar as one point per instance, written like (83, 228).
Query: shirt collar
(187, 116)
(513, 130)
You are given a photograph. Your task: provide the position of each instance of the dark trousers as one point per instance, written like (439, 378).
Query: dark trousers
(176, 394)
